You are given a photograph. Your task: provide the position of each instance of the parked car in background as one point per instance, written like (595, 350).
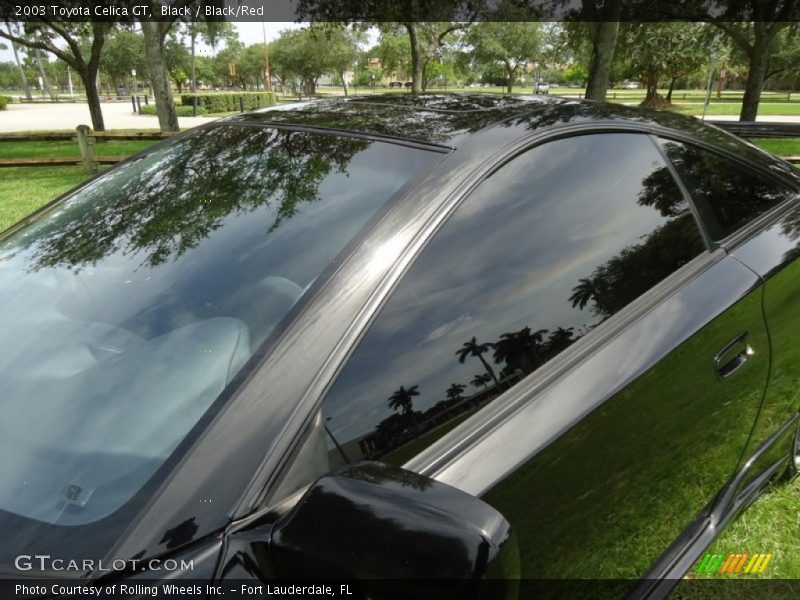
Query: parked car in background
(395, 84)
(542, 87)
(629, 84)
(274, 342)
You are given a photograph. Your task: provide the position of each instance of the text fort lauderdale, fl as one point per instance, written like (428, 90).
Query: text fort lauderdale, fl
(168, 589)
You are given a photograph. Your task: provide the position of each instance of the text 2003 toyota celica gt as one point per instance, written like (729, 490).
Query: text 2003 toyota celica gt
(430, 340)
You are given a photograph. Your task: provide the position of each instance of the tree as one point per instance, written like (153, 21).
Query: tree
(602, 21)
(308, 53)
(473, 348)
(23, 78)
(756, 41)
(559, 340)
(155, 34)
(124, 52)
(511, 44)
(84, 42)
(664, 49)
(425, 40)
(480, 380)
(454, 391)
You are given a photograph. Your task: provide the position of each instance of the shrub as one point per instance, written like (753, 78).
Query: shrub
(229, 101)
(182, 111)
(4, 100)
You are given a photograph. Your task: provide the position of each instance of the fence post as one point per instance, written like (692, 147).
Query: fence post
(241, 103)
(133, 102)
(139, 103)
(86, 145)
(194, 106)
(146, 99)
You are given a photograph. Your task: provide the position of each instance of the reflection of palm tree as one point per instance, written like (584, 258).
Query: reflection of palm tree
(473, 348)
(402, 399)
(481, 379)
(516, 348)
(454, 391)
(560, 339)
(583, 293)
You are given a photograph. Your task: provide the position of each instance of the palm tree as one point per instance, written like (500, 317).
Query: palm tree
(454, 391)
(516, 347)
(583, 293)
(402, 399)
(473, 348)
(560, 339)
(481, 379)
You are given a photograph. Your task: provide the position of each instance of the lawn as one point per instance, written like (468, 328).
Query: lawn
(24, 189)
(67, 148)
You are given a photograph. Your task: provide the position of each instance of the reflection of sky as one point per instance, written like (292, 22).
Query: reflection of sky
(508, 258)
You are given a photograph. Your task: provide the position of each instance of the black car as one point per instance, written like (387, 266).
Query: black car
(424, 338)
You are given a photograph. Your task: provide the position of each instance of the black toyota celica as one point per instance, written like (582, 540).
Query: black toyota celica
(420, 338)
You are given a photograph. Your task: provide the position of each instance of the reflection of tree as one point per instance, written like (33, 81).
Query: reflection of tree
(473, 348)
(402, 399)
(167, 202)
(559, 340)
(520, 350)
(454, 391)
(481, 380)
(637, 268)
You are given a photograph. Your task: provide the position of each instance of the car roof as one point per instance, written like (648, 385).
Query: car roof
(448, 120)
(437, 119)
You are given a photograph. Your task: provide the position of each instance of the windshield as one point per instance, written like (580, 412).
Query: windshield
(129, 307)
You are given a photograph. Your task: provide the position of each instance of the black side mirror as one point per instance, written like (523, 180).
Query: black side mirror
(398, 534)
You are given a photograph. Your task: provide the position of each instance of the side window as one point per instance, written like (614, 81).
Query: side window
(549, 246)
(727, 194)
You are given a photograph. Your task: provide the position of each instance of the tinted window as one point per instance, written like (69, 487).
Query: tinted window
(128, 308)
(552, 244)
(727, 194)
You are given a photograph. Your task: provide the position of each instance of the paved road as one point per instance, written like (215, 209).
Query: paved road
(67, 115)
(118, 115)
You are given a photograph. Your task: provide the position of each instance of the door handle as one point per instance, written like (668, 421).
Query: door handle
(733, 356)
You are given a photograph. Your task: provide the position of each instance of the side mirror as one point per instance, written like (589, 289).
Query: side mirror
(398, 534)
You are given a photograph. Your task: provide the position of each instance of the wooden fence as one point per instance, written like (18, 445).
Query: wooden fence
(86, 140)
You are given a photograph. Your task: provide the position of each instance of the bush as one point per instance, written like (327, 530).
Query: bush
(229, 101)
(4, 100)
(182, 111)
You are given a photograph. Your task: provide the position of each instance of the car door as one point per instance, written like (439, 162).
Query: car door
(568, 348)
(752, 211)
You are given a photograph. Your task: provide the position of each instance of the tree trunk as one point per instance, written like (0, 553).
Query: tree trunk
(344, 82)
(604, 42)
(417, 70)
(509, 80)
(490, 371)
(194, 73)
(669, 92)
(19, 66)
(756, 71)
(159, 78)
(651, 97)
(89, 78)
(45, 81)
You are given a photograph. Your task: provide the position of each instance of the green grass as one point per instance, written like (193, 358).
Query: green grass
(733, 108)
(24, 189)
(771, 524)
(779, 146)
(68, 148)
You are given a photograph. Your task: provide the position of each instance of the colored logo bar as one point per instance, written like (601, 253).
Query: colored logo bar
(734, 563)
